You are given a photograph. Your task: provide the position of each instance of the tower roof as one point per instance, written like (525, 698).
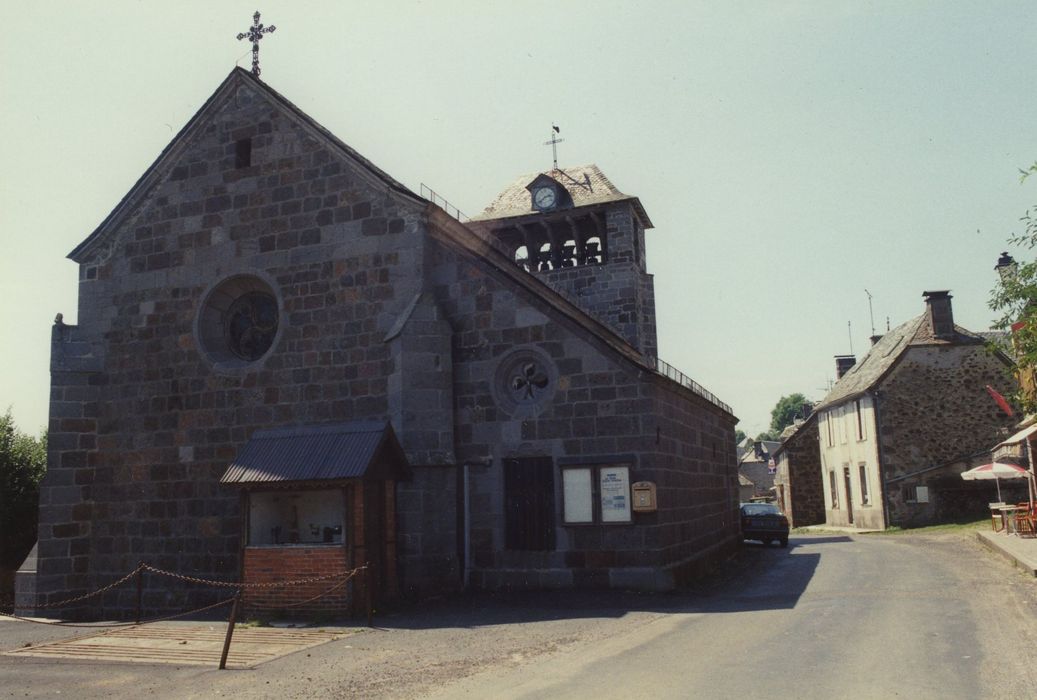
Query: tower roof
(586, 184)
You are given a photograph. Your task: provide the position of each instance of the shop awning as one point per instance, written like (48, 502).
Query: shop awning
(336, 452)
(1018, 437)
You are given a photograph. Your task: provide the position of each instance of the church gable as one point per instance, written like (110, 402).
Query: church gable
(249, 165)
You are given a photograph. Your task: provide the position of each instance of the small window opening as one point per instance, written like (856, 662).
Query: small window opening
(522, 257)
(243, 153)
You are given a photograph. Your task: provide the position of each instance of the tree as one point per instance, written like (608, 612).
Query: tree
(785, 412)
(23, 461)
(739, 437)
(1015, 298)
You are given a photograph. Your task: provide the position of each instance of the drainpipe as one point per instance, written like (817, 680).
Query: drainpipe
(467, 527)
(882, 461)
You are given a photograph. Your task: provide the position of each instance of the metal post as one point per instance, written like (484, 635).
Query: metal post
(140, 589)
(230, 630)
(367, 594)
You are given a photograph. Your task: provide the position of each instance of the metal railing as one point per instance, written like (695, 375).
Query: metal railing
(671, 372)
(432, 196)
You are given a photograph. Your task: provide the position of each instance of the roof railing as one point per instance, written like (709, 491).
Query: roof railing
(432, 196)
(672, 373)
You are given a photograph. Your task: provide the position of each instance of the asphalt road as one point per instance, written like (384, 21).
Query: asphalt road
(829, 617)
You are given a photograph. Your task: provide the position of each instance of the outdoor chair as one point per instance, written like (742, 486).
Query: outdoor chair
(1026, 521)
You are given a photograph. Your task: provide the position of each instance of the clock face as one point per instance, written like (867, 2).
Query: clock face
(544, 198)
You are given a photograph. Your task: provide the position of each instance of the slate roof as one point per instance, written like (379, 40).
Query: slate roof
(586, 184)
(792, 430)
(884, 354)
(316, 453)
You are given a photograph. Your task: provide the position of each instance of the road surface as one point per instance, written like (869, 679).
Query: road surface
(876, 616)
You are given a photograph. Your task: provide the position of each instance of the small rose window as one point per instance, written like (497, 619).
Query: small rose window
(238, 322)
(525, 381)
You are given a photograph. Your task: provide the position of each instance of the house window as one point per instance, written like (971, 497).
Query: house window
(596, 494)
(916, 494)
(828, 427)
(296, 517)
(833, 489)
(529, 499)
(860, 419)
(865, 496)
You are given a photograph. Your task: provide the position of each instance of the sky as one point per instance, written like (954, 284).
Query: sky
(794, 157)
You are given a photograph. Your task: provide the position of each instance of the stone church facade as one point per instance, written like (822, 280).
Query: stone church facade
(263, 276)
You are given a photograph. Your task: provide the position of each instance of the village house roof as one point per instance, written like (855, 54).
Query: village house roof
(586, 184)
(791, 431)
(885, 354)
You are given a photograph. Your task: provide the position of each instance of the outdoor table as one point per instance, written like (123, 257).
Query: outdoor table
(1008, 519)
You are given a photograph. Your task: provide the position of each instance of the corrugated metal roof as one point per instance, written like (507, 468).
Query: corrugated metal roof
(313, 453)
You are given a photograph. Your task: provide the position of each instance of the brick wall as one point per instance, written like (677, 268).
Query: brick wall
(273, 564)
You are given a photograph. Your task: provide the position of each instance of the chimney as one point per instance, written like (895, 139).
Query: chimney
(843, 363)
(875, 338)
(1006, 268)
(939, 314)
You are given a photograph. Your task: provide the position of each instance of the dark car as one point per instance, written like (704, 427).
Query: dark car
(764, 522)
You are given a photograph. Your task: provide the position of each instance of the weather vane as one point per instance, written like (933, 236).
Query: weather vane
(553, 143)
(254, 34)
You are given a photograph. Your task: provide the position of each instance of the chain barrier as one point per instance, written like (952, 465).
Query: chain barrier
(347, 575)
(112, 625)
(98, 592)
(242, 584)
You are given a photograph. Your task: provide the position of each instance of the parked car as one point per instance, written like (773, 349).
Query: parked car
(764, 522)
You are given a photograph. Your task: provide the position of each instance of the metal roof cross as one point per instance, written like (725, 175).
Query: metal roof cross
(553, 143)
(254, 34)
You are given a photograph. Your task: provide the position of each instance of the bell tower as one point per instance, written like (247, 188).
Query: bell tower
(579, 234)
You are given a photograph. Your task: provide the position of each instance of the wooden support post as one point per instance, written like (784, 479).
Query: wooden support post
(368, 595)
(230, 630)
(140, 589)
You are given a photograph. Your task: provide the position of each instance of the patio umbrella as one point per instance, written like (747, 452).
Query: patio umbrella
(996, 471)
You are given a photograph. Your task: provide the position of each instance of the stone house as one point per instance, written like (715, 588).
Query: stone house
(798, 481)
(280, 347)
(758, 468)
(896, 429)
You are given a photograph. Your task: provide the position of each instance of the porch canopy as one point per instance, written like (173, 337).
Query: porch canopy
(1018, 437)
(324, 453)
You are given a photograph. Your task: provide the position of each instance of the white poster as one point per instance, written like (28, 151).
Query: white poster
(577, 495)
(615, 494)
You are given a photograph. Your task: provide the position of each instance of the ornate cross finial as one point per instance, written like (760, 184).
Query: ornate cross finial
(254, 34)
(553, 143)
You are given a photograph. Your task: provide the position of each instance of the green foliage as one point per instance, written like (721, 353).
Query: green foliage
(739, 437)
(764, 436)
(785, 412)
(1015, 299)
(23, 461)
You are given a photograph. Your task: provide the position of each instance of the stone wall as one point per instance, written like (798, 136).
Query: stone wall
(933, 410)
(595, 408)
(619, 292)
(141, 436)
(799, 472)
